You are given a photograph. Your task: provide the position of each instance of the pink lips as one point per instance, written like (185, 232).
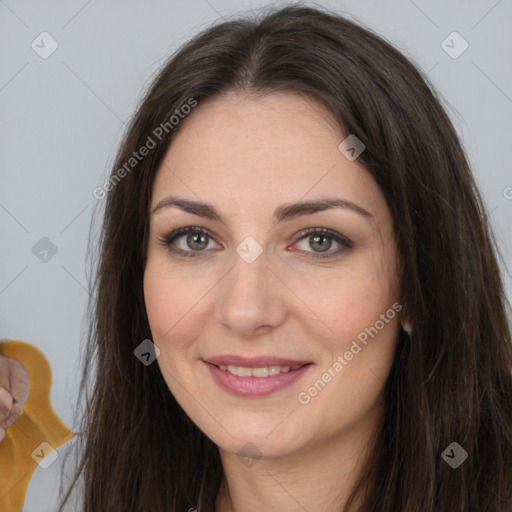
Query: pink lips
(254, 386)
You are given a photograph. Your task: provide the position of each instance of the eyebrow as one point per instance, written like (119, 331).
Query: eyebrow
(282, 213)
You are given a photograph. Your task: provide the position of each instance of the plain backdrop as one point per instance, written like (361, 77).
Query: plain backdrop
(62, 118)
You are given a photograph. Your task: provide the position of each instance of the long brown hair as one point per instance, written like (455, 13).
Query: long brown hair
(451, 379)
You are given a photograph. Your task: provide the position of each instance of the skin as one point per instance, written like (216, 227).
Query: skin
(247, 155)
(14, 389)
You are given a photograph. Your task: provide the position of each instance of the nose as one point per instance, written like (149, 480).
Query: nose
(252, 299)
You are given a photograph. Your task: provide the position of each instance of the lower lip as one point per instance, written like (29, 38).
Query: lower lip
(254, 386)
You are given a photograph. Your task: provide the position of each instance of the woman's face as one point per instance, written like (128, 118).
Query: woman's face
(259, 288)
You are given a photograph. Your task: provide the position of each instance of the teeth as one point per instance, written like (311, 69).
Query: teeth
(260, 372)
(266, 371)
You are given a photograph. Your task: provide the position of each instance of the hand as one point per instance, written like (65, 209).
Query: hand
(14, 388)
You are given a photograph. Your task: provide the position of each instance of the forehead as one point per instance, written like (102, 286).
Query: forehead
(262, 151)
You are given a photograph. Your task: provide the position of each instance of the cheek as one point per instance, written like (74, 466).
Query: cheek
(344, 303)
(171, 304)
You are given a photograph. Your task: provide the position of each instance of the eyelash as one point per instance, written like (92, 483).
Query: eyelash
(168, 240)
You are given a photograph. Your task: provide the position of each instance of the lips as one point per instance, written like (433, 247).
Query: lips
(255, 381)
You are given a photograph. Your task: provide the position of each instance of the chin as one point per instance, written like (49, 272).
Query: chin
(259, 445)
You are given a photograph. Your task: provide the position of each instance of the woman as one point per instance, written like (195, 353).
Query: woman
(293, 223)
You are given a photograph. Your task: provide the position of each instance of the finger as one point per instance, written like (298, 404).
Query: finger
(6, 404)
(20, 381)
(2, 435)
(15, 414)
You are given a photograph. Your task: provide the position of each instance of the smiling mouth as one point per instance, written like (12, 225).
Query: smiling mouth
(260, 372)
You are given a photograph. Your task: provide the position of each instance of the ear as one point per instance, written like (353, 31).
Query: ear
(406, 325)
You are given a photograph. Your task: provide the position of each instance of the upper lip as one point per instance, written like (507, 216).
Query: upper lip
(254, 362)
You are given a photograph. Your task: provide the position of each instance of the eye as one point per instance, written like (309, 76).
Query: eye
(321, 241)
(190, 241)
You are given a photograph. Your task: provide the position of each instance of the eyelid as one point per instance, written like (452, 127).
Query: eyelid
(325, 231)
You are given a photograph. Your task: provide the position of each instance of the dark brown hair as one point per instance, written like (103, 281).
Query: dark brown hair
(450, 381)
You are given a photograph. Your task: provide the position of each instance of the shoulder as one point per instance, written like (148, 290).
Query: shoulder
(51, 479)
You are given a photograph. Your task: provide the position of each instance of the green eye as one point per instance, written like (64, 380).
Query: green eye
(197, 241)
(319, 240)
(321, 243)
(193, 241)
(190, 241)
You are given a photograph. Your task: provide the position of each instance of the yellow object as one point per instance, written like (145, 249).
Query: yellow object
(23, 446)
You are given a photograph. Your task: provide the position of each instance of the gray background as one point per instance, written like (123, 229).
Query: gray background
(62, 118)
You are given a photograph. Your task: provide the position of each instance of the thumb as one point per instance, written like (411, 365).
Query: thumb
(14, 383)
(19, 381)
